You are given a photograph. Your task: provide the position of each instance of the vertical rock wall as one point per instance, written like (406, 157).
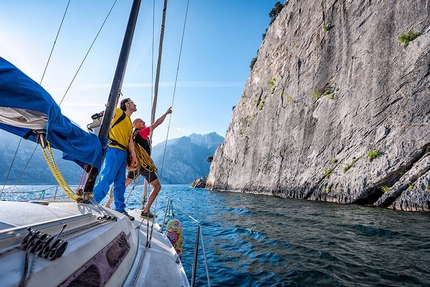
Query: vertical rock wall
(332, 83)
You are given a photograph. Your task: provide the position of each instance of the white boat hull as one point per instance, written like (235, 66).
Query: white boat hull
(99, 252)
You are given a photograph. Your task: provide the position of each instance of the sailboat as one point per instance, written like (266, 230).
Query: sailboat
(75, 243)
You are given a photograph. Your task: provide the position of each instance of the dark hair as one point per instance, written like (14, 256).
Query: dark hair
(122, 104)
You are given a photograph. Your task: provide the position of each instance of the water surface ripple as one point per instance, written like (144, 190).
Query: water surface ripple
(254, 240)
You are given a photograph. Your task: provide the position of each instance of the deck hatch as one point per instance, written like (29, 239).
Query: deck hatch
(99, 269)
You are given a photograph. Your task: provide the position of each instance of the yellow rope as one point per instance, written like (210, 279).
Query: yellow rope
(57, 174)
(144, 161)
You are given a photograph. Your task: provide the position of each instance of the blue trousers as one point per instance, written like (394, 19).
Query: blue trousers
(112, 171)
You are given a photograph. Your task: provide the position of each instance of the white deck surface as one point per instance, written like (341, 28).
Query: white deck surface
(157, 265)
(158, 259)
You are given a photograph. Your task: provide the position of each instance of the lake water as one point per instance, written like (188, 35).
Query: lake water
(253, 240)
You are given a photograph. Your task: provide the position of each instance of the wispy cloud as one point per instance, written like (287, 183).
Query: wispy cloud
(203, 84)
(148, 85)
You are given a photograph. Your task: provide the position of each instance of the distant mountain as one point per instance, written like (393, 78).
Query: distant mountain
(185, 159)
(29, 165)
(210, 141)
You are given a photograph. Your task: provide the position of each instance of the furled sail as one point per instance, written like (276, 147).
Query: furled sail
(26, 107)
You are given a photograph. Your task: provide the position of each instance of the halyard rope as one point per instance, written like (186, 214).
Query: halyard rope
(49, 157)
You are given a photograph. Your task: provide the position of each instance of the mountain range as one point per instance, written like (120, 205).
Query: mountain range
(179, 160)
(184, 159)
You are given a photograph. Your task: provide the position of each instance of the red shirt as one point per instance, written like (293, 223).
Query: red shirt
(142, 139)
(144, 133)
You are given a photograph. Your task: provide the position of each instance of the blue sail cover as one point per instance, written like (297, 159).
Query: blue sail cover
(18, 91)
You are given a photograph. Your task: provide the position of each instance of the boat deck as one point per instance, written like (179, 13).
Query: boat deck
(89, 240)
(158, 257)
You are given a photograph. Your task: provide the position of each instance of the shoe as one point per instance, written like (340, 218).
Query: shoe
(126, 214)
(149, 215)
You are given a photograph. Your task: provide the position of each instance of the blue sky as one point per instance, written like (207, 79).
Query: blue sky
(221, 38)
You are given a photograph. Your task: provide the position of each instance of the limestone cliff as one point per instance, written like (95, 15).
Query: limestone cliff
(336, 108)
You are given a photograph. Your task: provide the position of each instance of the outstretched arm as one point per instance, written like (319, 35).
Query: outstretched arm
(161, 119)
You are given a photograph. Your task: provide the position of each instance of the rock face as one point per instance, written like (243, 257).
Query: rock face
(199, 183)
(336, 108)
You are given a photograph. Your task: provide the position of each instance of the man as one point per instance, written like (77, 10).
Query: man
(141, 138)
(114, 166)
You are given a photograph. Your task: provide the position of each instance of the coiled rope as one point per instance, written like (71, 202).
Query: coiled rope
(49, 157)
(144, 161)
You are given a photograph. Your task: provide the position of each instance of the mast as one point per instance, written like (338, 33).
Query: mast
(157, 75)
(114, 94)
(156, 84)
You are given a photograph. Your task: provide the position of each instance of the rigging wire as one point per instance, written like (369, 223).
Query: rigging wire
(55, 42)
(152, 52)
(157, 75)
(54, 169)
(10, 168)
(174, 87)
(174, 92)
(41, 80)
(74, 77)
(146, 184)
(25, 167)
(64, 185)
(149, 236)
(86, 55)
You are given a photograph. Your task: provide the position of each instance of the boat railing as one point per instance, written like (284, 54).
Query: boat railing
(199, 237)
(54, 194)
(49, 194)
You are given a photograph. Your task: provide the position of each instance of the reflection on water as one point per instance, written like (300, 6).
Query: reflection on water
(253, 240)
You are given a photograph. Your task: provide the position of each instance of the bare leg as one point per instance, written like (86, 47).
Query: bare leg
(128, 181)
(156, 189)
(108, 203)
